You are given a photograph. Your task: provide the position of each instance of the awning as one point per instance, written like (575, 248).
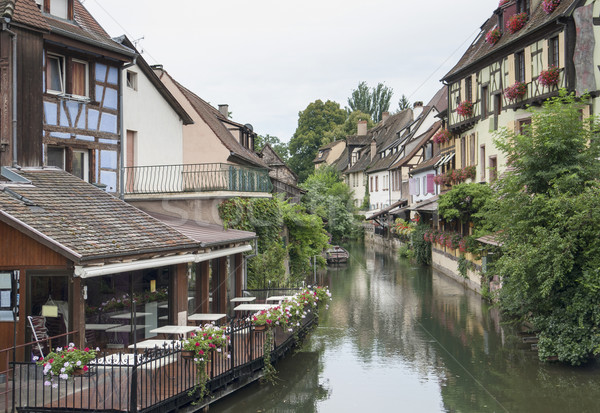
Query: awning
(428, 205)
(444, 160)
(97, 271)
(490, 240)
(387, 209)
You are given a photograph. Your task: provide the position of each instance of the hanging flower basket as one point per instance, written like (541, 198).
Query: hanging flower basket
(442, 136)
(549, 77)
(465, 109)
(550, 5)
(503, 2)
(493, 36)
(516, 91)
(516, 22)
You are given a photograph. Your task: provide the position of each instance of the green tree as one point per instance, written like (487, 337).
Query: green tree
(280, 148)
(547, 215)
(348, 128)
(331, 199)
(313, 122)
(373, 101)
(403, 103)
(463, 202)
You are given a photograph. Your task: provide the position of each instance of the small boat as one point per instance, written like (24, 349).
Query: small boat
(336, 255)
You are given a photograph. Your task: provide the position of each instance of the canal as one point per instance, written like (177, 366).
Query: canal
(402, 338)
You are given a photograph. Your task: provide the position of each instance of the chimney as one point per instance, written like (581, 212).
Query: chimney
(417, 109)
(373, 148)
(361, 128)
(385, 116)
(224, 109)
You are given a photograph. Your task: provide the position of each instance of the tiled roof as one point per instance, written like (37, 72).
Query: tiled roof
(425, 165)
(342, 163)
(83, 222)
(25, 12)
(212, 116)
(440, 99)
(422, 139)
(85, 28)
(206, 234)
(480, 48)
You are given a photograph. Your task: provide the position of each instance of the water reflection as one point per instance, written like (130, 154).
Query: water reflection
(398, 337)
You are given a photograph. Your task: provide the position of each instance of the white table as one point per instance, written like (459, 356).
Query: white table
(179, 330)
(280, 298)
(206, 317)
(125, 328)
(254, 307)
(154, 343)
(100, 327)
(242, 299)
(127, 316)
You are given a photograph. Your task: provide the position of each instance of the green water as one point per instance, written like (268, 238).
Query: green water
(403, 338)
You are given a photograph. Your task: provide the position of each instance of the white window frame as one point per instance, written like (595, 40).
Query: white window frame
(131, 79)
(87, 77)
(61, 68)
(57, 11)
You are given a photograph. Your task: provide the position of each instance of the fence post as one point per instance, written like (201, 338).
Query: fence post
(232, 346)
(134, 394)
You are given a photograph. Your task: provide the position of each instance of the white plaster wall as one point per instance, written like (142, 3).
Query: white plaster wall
(422, 197)
(381, 198)
(158, 126)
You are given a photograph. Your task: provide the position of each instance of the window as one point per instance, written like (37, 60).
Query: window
(80, 164)
(463, 152)
(132, 80)
(497, 109)
(376, 184)
(424, 186)
(55, 74)
(469, 88)
(523, 6)
(524, 126)
(371, 187)
(59, 8)
(80, 78)
(553, 53)
(484, 102)
(472, 149)
(520, 66)
(56, 157)
(482, 160)
(493, 168)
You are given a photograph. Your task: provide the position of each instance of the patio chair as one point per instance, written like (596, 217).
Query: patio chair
(40, 332)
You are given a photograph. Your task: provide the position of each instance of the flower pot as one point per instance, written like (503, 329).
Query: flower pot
(78, 372)
(187, 354)
(262, 327)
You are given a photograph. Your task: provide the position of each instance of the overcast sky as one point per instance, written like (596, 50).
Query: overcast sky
(268, 59)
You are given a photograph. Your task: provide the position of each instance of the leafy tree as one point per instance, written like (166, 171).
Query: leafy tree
(547, 215)
(313, 122)
(348, 128)
(280, 148)
(331, 199)
(373, 101)
(403, 103)
(463, 202)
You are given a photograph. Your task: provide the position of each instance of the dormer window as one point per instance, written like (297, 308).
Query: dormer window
(58, 8)
(523, 6)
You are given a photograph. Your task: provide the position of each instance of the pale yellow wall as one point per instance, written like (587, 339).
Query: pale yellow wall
(200, 144)
(336, 152)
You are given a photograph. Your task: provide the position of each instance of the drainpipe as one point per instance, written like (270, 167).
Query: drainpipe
(13, 36)
(122, 129)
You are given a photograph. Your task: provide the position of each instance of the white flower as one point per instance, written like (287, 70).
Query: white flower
(64, 376)
(327, 306)
(219, 350)
(54, 385)
(71, 345)
(67, 364)
(229, 356)
(62, 370)
(58, 349)
(47, 383)
(35, 358)
(78, 363)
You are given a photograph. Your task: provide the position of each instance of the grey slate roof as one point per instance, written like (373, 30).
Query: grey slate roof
(82, 222)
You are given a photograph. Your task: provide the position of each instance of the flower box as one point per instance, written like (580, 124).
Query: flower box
(516, 22)
(493, 36)
(550, 5)
(442, 136)
(516, 91)
(465, 109)
(549, 77)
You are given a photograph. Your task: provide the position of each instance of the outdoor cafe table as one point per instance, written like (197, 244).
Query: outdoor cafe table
(242, 299)
(254, 307)
(153, 343)
(127, 316)
(100, 327)
(280, 298)
(179, 330)
(206, 317)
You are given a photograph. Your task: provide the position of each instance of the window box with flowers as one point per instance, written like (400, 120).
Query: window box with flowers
(442, 136)
(465, 109)
(455, 176)
(503, 2)
(516, 91)
(549, 77)
(493, 36)
(550, 5)
(64, 363)
(516, 22)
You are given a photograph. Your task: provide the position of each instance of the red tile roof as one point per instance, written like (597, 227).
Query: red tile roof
(26, 12)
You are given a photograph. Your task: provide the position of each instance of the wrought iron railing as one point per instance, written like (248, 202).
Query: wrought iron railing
(163, 179)
(155, 380)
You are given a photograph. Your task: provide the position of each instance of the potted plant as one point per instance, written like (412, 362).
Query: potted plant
(465, 109)
(199, 348)
(516, 91)
(549, 77)
(550, 5)
(516, 22)
(493, 36)
(64, 363)
(442, 136)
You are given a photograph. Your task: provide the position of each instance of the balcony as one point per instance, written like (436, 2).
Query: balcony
(192, 178)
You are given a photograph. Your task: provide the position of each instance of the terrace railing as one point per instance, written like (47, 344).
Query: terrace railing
(208, 177)
(156, 380)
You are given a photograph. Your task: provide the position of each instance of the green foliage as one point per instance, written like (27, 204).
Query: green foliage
(268, 267)
(421, 247)
(313, 122)
(331, 199)
(464, 265)
(547, 215)
(463, 201)
(280, 148)
(373, 101)
(406, 252)
(349, 127)
(403, 103)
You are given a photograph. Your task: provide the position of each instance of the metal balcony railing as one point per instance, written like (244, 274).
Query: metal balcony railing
(207, 177)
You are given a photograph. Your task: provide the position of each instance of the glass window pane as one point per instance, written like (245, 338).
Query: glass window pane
(56, 157)
(54, 71)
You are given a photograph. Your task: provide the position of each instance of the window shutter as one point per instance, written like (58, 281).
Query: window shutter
(430, 184)
(411, 186)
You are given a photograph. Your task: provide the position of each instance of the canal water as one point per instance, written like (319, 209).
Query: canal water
(398, 337)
